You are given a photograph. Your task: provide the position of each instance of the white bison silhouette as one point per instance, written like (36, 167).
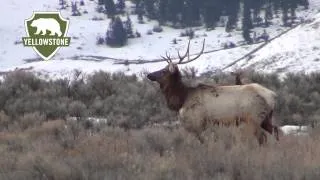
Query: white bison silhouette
(44, 24)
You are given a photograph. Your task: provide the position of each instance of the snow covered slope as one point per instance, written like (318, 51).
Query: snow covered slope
(298, 50)
(83, 30)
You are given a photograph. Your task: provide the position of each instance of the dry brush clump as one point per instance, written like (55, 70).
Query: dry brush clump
(155, 153)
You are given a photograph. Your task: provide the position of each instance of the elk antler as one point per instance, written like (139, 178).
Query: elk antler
(185, 55)
(181, 58)
(167, 58)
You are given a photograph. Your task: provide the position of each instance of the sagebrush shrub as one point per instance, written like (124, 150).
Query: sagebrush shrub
(133, 103)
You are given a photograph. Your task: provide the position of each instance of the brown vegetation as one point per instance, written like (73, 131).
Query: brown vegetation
(154, 153)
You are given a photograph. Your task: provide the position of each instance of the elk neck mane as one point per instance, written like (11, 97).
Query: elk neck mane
(175, 91)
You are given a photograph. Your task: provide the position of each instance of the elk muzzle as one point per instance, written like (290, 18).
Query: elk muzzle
(154, 76)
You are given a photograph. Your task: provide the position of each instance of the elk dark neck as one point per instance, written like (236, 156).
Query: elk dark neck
(175, 93)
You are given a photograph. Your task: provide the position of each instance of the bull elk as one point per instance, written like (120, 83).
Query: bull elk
(205, 105)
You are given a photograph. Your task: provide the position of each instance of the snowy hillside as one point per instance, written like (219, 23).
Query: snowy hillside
(291, 52)
(299, 50)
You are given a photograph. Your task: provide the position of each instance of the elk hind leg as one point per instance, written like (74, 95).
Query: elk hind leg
(258, 132)
(200, 138)
(269, 127)
(197, 133)
(276, 132)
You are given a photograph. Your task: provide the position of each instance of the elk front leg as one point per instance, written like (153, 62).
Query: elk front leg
(261, 136)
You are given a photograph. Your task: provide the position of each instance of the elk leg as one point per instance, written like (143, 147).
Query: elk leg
(276, 132)
(269, 127)
(262, 137)
(266, 125)
(258, 132)
(200, 138)
(197, 133)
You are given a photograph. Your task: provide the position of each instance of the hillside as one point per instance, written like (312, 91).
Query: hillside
(84, 31)
(296, 51)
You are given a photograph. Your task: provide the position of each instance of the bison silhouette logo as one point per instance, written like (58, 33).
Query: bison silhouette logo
(46, 33)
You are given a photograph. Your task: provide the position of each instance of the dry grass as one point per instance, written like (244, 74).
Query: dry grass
(154, 153)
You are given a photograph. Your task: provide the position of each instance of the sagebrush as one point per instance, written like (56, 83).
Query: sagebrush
(40, 140)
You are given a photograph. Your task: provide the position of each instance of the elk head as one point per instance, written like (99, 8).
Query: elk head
(170, 81)
(171, 72)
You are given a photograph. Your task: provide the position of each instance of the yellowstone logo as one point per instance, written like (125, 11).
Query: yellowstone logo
(46, 33)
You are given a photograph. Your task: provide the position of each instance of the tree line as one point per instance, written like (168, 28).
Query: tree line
(190, 13)
(209, 12)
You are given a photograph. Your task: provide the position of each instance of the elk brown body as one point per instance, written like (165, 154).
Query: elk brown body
(205, 105)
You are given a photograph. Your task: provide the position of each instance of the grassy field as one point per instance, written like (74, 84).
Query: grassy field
(56, 151)
(38, 142)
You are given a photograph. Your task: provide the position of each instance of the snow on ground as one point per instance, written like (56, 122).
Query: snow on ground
(84, 31)
(298, 50)
(292, 50)
(63, 68)
(295, 130)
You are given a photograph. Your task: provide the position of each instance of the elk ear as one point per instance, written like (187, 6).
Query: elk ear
(172, 68)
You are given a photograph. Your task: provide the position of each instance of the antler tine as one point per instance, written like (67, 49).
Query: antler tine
(200, 53)
(167, 58)
(181, 58)
(164, 58)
